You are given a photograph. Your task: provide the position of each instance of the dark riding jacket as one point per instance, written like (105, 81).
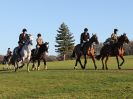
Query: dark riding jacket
(84, 37)
(23, 38)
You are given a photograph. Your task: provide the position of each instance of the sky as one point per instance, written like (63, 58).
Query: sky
(46, 16)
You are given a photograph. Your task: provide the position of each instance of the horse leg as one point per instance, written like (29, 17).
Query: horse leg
(33, 65)
(16, 68)
(22, 63)
(102, 63)
(106, 62)
(45, 65)
(75, 67)
(123, 60)
(81, 64)
(78, 60)
(93, 59)
(118, 62)
(85, 61)
(38, 67)
(28, 65)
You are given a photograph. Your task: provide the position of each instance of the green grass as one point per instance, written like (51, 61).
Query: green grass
(60, 81)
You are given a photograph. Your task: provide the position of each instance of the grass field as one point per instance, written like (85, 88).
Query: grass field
(60, 81)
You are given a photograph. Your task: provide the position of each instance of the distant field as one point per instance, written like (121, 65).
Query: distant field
(60, 81)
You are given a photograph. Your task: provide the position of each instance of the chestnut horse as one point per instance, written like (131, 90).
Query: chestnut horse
(87, 51)
(115, 49)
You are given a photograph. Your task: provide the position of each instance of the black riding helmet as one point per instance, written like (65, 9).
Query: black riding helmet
(38, 35)
(115, 30)
(24, 30)
(85, 30)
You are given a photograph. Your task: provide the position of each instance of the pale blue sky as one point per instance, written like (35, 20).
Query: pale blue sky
(45, 16)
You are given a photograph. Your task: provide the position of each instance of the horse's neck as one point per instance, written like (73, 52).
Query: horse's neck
(27, 47)
(120, 42)
(89, 43)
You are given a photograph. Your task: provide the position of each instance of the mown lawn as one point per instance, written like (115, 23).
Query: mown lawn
(60, 81)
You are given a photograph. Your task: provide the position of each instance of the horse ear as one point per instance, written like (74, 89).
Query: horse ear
(124, 33)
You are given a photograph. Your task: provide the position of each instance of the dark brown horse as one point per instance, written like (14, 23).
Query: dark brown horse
(39, 55)
(115, 49)
(87, 51)
(6, 61)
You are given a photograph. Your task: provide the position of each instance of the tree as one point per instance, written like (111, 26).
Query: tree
(65, 41)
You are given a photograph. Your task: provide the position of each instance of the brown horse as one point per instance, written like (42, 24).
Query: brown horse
(87, 51)
(115, 49)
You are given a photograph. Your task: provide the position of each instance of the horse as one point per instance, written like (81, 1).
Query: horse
(115, 49)
(39, 55)
(25, 55)
(6, 61)
(87, 51)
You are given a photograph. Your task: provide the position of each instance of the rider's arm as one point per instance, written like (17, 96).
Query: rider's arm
(88, 35)
(20, 37)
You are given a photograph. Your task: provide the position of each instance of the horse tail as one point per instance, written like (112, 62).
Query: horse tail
(98, 57)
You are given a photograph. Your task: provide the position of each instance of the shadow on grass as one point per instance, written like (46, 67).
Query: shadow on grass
(12, 71)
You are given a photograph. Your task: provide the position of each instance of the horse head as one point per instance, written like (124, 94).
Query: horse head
(94, 38)
(123, 38)
(44, 47)
(29, 39)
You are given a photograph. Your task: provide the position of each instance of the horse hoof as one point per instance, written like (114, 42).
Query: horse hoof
(16, 69)
(119, 68)
(95, 68)
(45, 69)
(75, 68)
(33, 69)
(28, 71)
(106, 68)
(38, 69)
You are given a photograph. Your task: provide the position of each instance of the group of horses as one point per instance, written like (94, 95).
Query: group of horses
(115, 49)
(31, 55)
(27, 55)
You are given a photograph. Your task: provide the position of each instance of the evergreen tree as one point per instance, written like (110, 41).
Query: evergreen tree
(65, 41)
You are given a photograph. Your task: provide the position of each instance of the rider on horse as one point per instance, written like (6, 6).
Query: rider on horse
(23, 37)
(9, 52)
(114, 36)
(85, 36)
(39, 41)
(112, 39)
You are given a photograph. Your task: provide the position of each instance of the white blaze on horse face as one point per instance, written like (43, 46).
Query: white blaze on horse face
(47, 46)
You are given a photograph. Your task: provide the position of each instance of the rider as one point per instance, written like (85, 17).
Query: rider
(112, 39)
(114, 36)
(39, 41)
(22, 40)
(85, 36)
(9, 52)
